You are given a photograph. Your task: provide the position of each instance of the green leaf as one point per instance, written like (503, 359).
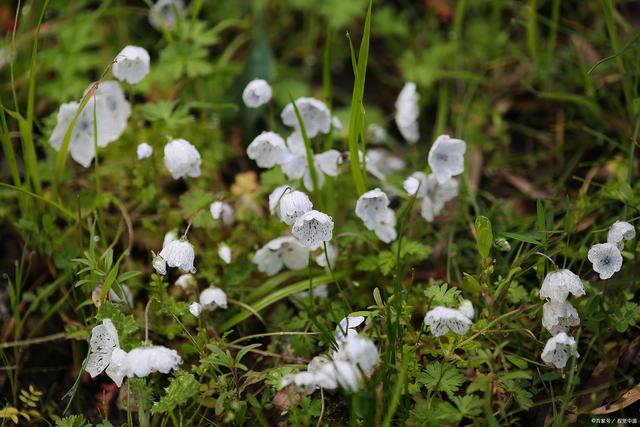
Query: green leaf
(440, 377)
(484, 236)
(182, 388)
(626, 316)
(73, 421)
(441, 295)
(469, 406)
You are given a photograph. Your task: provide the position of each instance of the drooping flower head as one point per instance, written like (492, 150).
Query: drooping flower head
(164, 11)
(222, 211)
(143, 361)
(360, 352)
(180, 254)
(195, 308)
(619, 232)
(466, 308)
(606, 259)
(292, 205)
(182, 159)
(267, 149)
(104, 339)
(434, 195)
(159, 265)
(347, 327)
(313, 228)
(373, 209)
(256, 93)
(131, 64)
(407, 111)
(144, 151)
(559, 284)
(380, 162)
(224, 252)
(331, 254)
(446, 157)
(283, 251)
(186, 281)
(559, 349)
(315, 115)
(443, 319)
(559, 316)
(212, 298)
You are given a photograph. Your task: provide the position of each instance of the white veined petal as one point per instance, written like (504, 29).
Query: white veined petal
(446, 158)
(268, 261)
(557, 285)
(118, 366)
(559, 316)
(606, 259)
(442, 320)
(313, 228)
(328, 162)
(131, 64)
(315, 115)
(104, 339)
(559, 349)
(212, 298)
(180, 254)
(292, 205)
(267, 149)
(294, 166)
(256, 93)
(294, 255)
(619, 232)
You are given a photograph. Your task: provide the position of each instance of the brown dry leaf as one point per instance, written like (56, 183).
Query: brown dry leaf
(476, 160)
(523, 185)
(629, 397)
(246, 184)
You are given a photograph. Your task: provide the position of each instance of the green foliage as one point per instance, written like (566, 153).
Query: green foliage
(441, 377)
(182, 388)
(626, 316)
(73, 421)
(385, 261)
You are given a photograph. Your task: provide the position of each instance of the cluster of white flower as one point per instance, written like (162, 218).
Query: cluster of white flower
(269, 149)
(443, 319)
(559, 315)
(606, 258)
(224, 212)
(355, 358)
(111, 109)
(106, 354)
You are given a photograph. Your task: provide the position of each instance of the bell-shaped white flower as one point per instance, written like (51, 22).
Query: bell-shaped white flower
(212, 298)
(559, 349)
(433, 194)
(104, 339)
(274, 198)
(380, 162)
(131, 64)
(443, 320)
(315, 115)
(81, 145)
(195, 308)
(296, 165)
(144, 151)
(224, 252)
(118, 368)
(332, 254)
(222, 211)
(267, 149)
(347, 327)
(186, 281)
(606, 259)
(619, 232)
(446, 157)
(313, 228)
(320, 291)
(159, 265)
(559, 284)
(466, 308)
(143, 361)
(182, 159)
(407, 111)
(256, 93)
(292, 205)
(360, 352)
(373, 209)
(283, 251)
(328, 162)
(169, 237)
(112, 109)
(163, 12)
(180, 254)
(559, 316)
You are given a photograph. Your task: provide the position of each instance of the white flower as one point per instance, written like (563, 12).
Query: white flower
(332, 254)
(185, 281)
(375, 134)
(195, 308)
(320, 291)
(180, 254)
(466, 308)
(274, 198)
(121, 296)
(144, 151)
(559, 349)
(182, 159)
(380, 162)
(434, 195)
(559, 316)
(160, 265)
(212, 298)
(315, 115)
(143, 361)
(313, 228)
(360, 352)
(328, 162)
(113, 111)
(257, 93)
(224, 252)
(296, 165)
(619, 232)
(223, 211)
(443, 320)
(131, 64)
(407, 111)
(267, 149)
(336, 123)
(104, 339)
(347, 327)
(559, 284)
(446, 157)
(347, 374)
(169, 237)
(292, 205)
(164, 12)
(118, 366)
(606, 259)
(285, 251)
(373, 209)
